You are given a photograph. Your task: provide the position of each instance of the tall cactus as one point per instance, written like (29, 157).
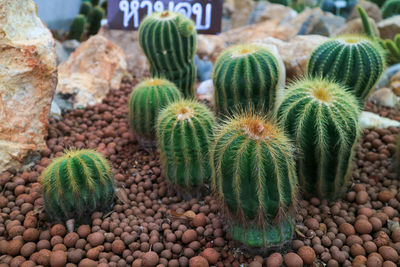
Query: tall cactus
(77, 28)
(253, 173)
(184, 130)
(168, 39)
(77, 184)
(355, 61)
(85, 8)
(145, 102)
(322, 118)
(390, 8)
(246, 75)
(95, 17)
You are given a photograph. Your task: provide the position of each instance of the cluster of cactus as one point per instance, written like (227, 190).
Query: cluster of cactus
(88, 21)
(355, 61)
(145, 102)
(254, 175)
(76, 184)
(322, 119)
(168, 39)
(247, 76)
(184, 132)
(390, 8)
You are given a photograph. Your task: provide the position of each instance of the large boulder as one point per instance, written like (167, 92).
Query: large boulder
(389, 27)
(371, 8)
(265, 10)
(241, 12)
(28, 79)
(91, 71)
(355, 26)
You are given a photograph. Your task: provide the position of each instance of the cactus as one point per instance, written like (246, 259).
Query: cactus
(393, 49)
(246, 75)
(355, 61)
(85, 8)
(95, 17)
(145, 102)
(254, 175)
(184, 130)
(322, 118)
(77, 28)
(77, 184)
(168, 39)
(95, 2)
(390, 8)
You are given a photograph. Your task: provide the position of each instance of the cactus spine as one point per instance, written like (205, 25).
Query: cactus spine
(145, 102)
(95, 17)
(184, 130)
(355, 61)
(77, 28)
(253, 173)
(246, 75)
(168, 40)
(390, 8)
(77, 184)
(322, 119)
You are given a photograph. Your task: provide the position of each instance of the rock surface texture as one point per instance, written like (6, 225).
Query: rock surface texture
(91, 71)
(28, 78)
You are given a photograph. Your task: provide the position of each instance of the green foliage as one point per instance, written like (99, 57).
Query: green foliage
(77, 28)
(184, 130)
(322, 118)
(85, 9)
(254, 175)
(378, 2)
(368, 30)
(104, 5)
(77, 184)
(355, 61)
(168, 39)
(95, 17)
(246, 75)
(145, 102)
(390, 8)
(95, 2)
(281, 2)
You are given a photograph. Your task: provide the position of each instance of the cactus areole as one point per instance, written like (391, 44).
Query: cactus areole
(253, 174)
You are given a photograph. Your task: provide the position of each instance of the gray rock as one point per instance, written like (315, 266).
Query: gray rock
(71, 45)
(55, 110)
(384, 81)
(61, 53)
(389, 27)
(372, 10)
(63, 102)
(321, 23)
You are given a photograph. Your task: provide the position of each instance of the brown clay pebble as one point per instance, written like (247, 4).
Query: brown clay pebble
(359, 260)
(312, 224)
(389, 264)
(87, 263)
(275, 260)
(255, 264)
(150, 259)
(199, 220)
(307, 254)
(189, 236)
(362, 197)
(118, 246)
(198, 261)
(14, 246)
(385, 196)
(363, 226)
(293, 260)
(374, 261)
(58, 229)
(388, 253)
(58, 258)
(96, 239)
(347, 228)
(211, 255)
(83, 231)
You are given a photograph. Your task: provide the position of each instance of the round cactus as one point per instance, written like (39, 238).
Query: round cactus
(168, 39)
(85, 8)
(146, 101)
(77, 28)
(355, 61)
(253, 173)
(246, 76)
(390, 8)
(184, 130)
(95, 17)
(322, 118)
(77, 184)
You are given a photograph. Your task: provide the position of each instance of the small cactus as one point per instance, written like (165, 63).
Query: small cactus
(322, 119)
(254, 175)
(145, 102)
(85, 8)
(244, 76)
(390, 8)
(168, 39)
(355, 61)
(393, 49)
(95, 2)
(77, 28)
(184, 130)
(77, 184)
(95, 17)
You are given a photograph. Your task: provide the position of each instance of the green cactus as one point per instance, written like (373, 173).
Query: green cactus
(104, 5)
(77, 184)
(322, 118)
(393, 49)
(168, 39)
(85, 8)
(355, 61)
(184, 130)
(95, 17)
(77, 28)
(390, 8)
(254, 175)
(378, 2)
(95, 2)
(145, 102)
(246, 75)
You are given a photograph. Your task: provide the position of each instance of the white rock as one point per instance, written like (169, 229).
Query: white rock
(28, 77)
(384, 97)
(370, 120)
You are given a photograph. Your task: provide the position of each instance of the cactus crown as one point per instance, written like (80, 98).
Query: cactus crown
(184, 130)
(77, 183)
